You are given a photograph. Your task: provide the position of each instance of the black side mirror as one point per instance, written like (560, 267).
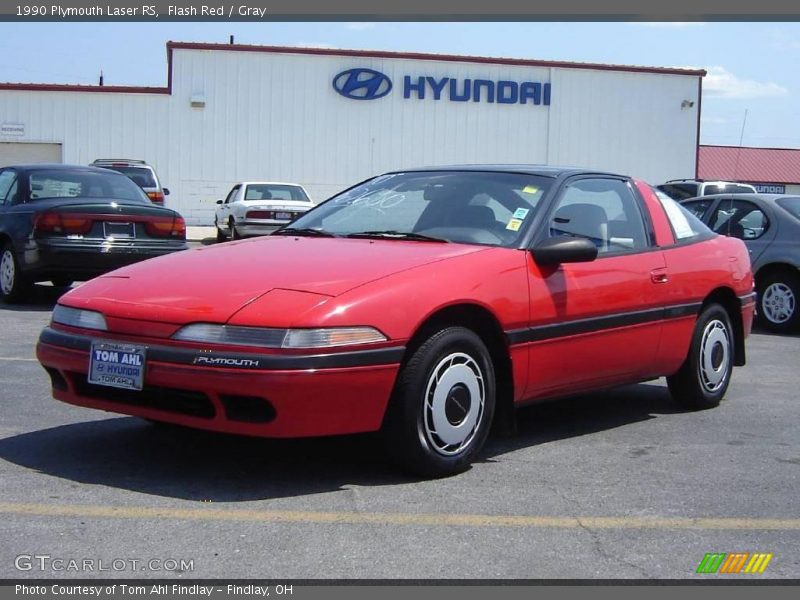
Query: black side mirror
(166, 191)
(219, 201)
(557, 250)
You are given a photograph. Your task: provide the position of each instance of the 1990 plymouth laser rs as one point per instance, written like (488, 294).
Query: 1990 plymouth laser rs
(421, 303)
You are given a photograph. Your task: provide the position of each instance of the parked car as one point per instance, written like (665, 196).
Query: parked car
(425, 304)
(680, 189)
(62, 223)
(140, 173)
(259, 208)
(769, 225)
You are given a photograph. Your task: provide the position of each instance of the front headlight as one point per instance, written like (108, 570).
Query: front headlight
(233, 335)
(76, 317)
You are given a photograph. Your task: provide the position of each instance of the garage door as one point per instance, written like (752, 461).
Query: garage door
(19, 153)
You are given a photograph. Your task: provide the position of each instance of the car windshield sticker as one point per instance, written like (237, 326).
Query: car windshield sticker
(514, 225)
(521, 213)
(530, 189)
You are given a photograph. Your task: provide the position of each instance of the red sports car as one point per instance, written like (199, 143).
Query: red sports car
(423, 303)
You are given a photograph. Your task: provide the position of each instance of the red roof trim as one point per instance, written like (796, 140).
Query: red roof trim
(432, 57)
(103, 89)
(750, 164)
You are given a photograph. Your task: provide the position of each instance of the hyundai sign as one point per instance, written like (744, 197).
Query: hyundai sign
(368, 84)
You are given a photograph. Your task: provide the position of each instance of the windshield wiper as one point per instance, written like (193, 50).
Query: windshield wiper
(303, 231)
(391, 234)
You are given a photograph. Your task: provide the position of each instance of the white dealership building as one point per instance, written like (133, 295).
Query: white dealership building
(328, 118)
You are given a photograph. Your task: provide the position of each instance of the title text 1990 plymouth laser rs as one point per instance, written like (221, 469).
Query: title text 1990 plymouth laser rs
(423, 303)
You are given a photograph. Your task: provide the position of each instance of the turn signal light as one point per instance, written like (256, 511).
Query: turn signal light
(53, 222)
(175, 227)
(156, 197)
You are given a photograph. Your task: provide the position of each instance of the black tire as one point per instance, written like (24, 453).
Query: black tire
(221, 237)
(441, 387)
(703, 378)
(14, 287)
(62, 282)
(234, 234)
(779, 301)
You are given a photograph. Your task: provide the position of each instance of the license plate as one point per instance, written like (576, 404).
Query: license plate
(117, 365)
(283, 216)
(118, 230)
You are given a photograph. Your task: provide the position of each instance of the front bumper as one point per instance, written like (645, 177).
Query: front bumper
(85, 259)
(268, 395)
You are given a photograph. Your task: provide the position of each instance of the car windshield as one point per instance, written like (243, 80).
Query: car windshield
(272, 191)
(726, 188)
(471, 207)
(141, 176)
(792, 205)
(64, 183)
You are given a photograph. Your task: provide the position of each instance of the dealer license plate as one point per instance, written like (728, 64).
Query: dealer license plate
(283, 216)
(118, 230)
(117, 365)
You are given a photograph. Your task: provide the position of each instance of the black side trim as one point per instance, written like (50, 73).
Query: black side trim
(240, 360)
(593, 324)
(746, 299)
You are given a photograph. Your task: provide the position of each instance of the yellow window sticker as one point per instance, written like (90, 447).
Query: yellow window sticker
(514, 225)
(530, 189)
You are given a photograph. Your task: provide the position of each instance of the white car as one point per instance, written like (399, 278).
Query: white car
(259, 208)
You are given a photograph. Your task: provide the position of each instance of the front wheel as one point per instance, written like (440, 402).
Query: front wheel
(13, 285)
(234, 234)
(703, 378)
(779, 302)
(442, 406)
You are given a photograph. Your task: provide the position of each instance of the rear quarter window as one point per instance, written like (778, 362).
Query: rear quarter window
(685, 226)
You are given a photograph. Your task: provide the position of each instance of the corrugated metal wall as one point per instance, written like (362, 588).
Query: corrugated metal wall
(277, 116)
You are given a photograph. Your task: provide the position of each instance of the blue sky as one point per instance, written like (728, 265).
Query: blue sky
(752, 66)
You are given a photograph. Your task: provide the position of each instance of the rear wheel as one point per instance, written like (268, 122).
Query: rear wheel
(234, 234)
(443, 404)
(703, 378)
(779, 301)
(13, 284)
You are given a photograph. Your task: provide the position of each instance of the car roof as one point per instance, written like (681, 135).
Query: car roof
(268, 183)
(770, 198)
(541, 170)
(57, 167)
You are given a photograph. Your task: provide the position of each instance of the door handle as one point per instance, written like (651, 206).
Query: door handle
(659, 276)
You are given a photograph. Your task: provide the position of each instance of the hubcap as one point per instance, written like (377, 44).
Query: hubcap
(778, 303)
(454, 403)
(715, 356)
(7, 272)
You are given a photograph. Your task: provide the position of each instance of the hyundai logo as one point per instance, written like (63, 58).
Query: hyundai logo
(362, 84)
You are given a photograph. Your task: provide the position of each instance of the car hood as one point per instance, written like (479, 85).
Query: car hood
(211, 284)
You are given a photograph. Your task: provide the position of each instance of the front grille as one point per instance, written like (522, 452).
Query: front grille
(183, 402)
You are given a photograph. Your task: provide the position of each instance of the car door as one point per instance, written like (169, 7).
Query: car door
(8, 192)
(597, 322)
(745, 220)
(224, 209)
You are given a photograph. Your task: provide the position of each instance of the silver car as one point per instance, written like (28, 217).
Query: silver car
(769, 224)
(259, 208)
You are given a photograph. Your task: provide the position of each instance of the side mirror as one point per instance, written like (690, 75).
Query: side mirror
(555, 251)
(219, 201)
(166, 191)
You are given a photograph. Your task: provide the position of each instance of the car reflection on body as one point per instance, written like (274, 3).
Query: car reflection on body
(425, 304)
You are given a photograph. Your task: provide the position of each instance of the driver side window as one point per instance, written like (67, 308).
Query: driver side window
(740, 219)
(603, 211)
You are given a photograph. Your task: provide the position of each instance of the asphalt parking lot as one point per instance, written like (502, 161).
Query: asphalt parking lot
(619, 484)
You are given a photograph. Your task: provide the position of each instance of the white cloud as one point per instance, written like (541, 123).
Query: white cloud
(359, 26)
(721, 83)
(669, 24)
